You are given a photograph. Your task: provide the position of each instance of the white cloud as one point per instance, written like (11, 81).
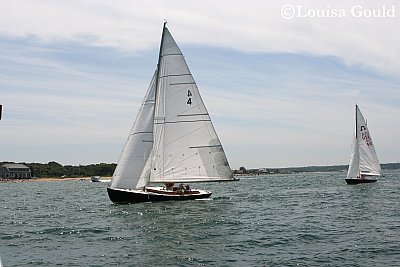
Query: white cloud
(244, 25)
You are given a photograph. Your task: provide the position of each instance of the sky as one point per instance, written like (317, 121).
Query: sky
(280, 79)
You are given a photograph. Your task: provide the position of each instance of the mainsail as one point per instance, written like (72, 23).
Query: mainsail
(172, 139)
(364, 160)
(186, 146)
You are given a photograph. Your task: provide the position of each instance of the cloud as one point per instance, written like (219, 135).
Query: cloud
(244, 25)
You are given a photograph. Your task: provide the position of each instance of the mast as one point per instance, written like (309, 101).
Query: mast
(159, 59)
(158, 74)
(357, 145)
(356, 123)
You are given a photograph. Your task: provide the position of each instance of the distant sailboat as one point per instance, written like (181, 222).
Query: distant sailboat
(364, 164)
(172, 139)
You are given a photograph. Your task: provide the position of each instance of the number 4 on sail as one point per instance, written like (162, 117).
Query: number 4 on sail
(364, 163)
(172, 141)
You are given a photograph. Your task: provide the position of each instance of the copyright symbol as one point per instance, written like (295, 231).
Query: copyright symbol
(288, 11)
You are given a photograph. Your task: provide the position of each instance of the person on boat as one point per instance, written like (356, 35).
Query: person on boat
(169, 186)
(187, 188)
(181, 189)
(362, 176)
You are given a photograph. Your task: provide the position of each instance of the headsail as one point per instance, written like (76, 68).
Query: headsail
(130, 171)
(364, 158)
(186, 146)
(354, 166)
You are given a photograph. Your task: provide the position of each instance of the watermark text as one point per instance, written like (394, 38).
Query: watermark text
(357, 11)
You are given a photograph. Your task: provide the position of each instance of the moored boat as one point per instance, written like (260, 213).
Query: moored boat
(95, 178)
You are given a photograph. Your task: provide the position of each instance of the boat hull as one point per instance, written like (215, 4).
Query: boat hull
(95, 178)
(359, 181)
(136, 196)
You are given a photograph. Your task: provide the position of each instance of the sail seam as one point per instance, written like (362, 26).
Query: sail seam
(142, 133)
(182, 83)
(178, 121)
(172, 55)
(175, 75)
(205, 146)
(187, 115)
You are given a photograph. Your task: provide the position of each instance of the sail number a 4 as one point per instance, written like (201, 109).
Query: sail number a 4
(189, 95)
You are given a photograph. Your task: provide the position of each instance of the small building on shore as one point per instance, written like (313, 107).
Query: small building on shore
(15, 171)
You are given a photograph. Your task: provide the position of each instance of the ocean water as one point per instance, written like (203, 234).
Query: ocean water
(308, 219)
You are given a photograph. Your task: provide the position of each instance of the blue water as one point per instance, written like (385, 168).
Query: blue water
(277, 220)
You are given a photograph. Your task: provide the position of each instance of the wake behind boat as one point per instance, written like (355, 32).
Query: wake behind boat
(364, 164)
(172, 140)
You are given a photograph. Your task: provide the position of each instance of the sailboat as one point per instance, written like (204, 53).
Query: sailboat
(364, 164)
(172, 142)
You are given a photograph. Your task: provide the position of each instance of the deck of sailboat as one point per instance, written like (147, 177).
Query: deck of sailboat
(174, 191)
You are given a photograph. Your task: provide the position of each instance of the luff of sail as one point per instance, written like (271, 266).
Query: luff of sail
(133, 169)
(354, 166)
(186, 146)
(364, 159)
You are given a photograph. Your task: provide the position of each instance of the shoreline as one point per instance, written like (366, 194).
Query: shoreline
(48, 179)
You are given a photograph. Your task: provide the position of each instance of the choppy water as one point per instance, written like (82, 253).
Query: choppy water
(277, 220)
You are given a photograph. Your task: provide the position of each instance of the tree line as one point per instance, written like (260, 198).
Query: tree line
(54, 169)
(333, 168)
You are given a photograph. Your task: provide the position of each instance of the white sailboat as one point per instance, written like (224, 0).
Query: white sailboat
(172, 140)
(364, 164)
